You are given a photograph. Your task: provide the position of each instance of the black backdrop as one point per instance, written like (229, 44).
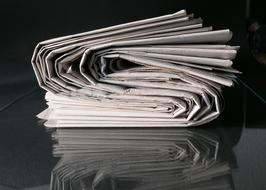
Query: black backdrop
(25, 23)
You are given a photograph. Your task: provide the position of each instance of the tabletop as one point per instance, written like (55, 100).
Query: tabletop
(26, 146)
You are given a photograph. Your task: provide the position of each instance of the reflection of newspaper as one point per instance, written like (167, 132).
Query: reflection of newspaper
(164, 71)
(139, 159)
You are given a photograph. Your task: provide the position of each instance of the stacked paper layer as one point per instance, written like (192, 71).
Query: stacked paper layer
(139, 159)
(166, 71)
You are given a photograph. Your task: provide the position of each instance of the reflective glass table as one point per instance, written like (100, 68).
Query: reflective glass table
(228, 153)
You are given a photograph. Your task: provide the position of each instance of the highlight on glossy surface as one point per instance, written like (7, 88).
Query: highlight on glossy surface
(138, 159)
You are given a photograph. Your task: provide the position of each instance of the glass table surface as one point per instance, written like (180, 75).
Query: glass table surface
(26, 146)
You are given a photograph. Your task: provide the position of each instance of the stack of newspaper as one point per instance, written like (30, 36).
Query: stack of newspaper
(166, 71)
(139, 159)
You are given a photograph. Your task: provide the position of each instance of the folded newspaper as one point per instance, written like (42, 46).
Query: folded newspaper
(166, 71)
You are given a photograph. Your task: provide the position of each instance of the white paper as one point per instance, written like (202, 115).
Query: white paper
(166, 71)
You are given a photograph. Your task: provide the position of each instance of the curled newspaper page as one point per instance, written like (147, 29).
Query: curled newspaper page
(166, 71)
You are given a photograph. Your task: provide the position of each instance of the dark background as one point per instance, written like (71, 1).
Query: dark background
(24, 23)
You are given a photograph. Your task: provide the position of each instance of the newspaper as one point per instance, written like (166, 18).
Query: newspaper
(166, 71)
